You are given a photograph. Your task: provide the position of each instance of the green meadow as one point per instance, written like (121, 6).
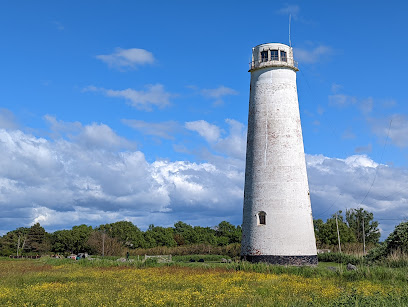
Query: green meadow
(103, 282)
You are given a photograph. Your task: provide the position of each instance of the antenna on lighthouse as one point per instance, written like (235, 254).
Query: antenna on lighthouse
(290, 17)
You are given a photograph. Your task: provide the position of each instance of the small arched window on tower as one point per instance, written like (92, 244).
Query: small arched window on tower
(283, 55)
(274, 55)
(261, 218)
(264, 56)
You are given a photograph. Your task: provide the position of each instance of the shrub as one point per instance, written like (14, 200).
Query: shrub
(398, 239)
(394, 250)
(377, 253)
(340, 258)
(151, 262)
(186, 258)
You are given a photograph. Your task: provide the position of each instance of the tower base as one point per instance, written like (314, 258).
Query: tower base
(282, 260)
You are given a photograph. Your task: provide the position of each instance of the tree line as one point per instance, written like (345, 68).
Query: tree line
(113, 238)
(357, 226)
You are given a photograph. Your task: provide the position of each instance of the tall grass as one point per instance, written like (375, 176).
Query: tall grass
(355, 249)
(73, 283)
(98, 262)
(341, 258)
(206, 258)
(396, 259)
(363, 272)
(231, 250)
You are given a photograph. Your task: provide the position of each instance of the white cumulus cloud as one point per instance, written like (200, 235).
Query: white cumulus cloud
(357, 181)
(312, 54)
(395, 127)
(78, 179)
(100, 136)
(209, 132)
(127, 58)
(341, 100)
(154, 96)
(75, 178)
(218, 93)
(234, 144)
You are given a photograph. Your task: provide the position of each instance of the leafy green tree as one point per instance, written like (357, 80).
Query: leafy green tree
(355, 219)
(13, 243)
(184, 234)
(71, 241)
(398, 239)
(37, 240)
(62, 241)
(228, 233)
(320, 231)
(160, 236)
(80, 236)
(206, 235)
(125, 232)
(326, 233)
(150, 240)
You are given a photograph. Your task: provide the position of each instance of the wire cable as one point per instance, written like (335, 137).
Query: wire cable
(378, 166)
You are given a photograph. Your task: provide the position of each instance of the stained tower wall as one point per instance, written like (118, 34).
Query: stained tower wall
(276, 184)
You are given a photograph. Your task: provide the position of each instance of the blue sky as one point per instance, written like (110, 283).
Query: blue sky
(138, 110)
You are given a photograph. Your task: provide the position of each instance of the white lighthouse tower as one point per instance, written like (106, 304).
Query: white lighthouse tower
(277, 223)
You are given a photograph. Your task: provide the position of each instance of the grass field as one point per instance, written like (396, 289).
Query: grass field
(109, 283)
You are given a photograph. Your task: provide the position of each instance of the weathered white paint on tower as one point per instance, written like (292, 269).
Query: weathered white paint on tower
(277, 221)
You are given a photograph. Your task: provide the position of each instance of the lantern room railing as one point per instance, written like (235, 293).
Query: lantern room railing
(274, 63)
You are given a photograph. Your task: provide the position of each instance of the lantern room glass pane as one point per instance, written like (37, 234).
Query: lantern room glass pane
(264, 56)
(274, 55)
(283, 56)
